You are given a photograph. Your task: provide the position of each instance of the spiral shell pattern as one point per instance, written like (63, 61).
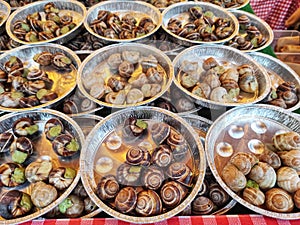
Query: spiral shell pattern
(35, 74)
(287, 141)
(178, 145)
(180, 172)
(148, 203)
(160, 132)
(108, 187)
(296, 198)
(263, 174)
(153, 178)
(172, 194)
(43, 194)
(254, 196)
(202, 205)
(138, 156)
(244, 161)
(126, 199)
(288, 179)
(162, 156)
(271, 158)
(234, 178)
(291, 158)
(217, 195)
(278, 200)
(129, 175)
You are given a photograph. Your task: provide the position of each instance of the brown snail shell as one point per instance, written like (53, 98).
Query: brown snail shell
(132, 131)
(7, 171)
(131, 56)
(138, 156)
(254, 196)
(233, 178)
(70, 107)
(38, 171)
(24, 145)
(296, 198)
(188, 80)
(209, 63)
(6, 139)
(288, 179)
(230, 74)
(126, 69)
(178, 145)
(117, 98)
(77, 207)
(89, 205)
(162, 156)
(43, 194)
(154, 76)
(153, 177)
(148, 203)
(270, 157)
(114, 61)
(61, 61)
(248, 83)
(244, 161)
(202, 90)
(58, 179)
(60, 145)
(287, 141)
(115, 84)
(181, 173)
(108, 187)
(35, 74)
(21, 125)
(160, 132)
(28, 102)
(278, 200)
(43, 58)
(53, 123)
(264, 175)
(126, 199)
(129, 175)
(172, 193)
(202, 205)
(10, 204)
(290, 158)
(217, 195)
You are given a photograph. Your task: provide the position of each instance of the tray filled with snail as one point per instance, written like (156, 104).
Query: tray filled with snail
(163, 4)
(228, 4)
(124, 75)
(4, 14)
(285, 82)
(254, 33)
(122, 21)
(39, 163)
(191, 23)
(253, 152)
(220, 76)
(142, 164)
(6, 43)
(35, 76)
(14, 4)
(46, 21)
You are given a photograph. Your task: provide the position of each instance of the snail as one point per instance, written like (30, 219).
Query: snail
(160, 132)
(287, 141)
(108, 187)
(278, 200)
(138, 156)
(288, 179)
(25, 127)
(38, 171)
(296, 198)
(15, 203)
(254, 196)
(148, 203)
(129, 174)
(11, 175)
(181, 173)
(62, 177)
(126, 200)
(243, 161)
(21, 149)
(89, 205)
(202, 205)
(135, 96)
(290, 158)
(134, 129)
(53, 128)
(233, 178)
(65, 145)
(43, 194)
(162, 156)
(217, 195)
(270, 157)
(264, 175)
(178, 144)
(153, 177)
(172, 193)
(72, 206)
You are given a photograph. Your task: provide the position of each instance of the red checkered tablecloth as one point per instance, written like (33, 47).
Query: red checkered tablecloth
(183, 220)
(274, 12)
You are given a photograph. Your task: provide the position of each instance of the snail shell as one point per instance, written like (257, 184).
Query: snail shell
(296, 198)
(108, 187)
(138, 156)
(162, 156)
(38, 171)
(270, 157)
(288, 179)
(217, 195)
(117, 98)
(43, 194)
(28, 102)
(126, 199)
(58, 179)
(77, 207)
(244, 161)
(254, 196)
(209, 63)
(126, 69)
(178, 145)
(202, 90)
(188, 66)
(181, 173)
(148, 203)
(89, 205)
(219, 94)
(129, 175)
(290, 158)
(7, 174)
(114, 61)
(20, 126)
(43, 58)
(248, 83)
(264, 175)
(160, 132)
(134, 96)
(21, 144)
(154, 76)
(52, 124)
(230, 74)
(172, 193)
(278, 200)
(287, 141)
(153, 177)
(202, 205)
(234, 178)
(6, 139)
(61, 145)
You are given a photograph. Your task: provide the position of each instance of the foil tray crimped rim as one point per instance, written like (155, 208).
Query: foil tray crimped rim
(6, 10)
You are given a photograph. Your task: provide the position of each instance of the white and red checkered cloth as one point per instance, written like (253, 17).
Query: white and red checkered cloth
(275, 12)
(182, 220)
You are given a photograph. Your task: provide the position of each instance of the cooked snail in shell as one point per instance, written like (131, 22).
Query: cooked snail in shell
(254, 196)
(288, 179)
(217, 195)
(162, 156)
(65, 145)
(153, 177)
(172, 193)
(234, 178)
(202, 205)
(148, 203)
(72, 206)
(108, 187)
(264, 175)
(21, 149)
(270, 157)
(15, 204)
(62, 177)
(126, 200)
(278, 200)
(181, 173)
(134, 129)
(38, 171)
(138, 156)
(43, 194)
(287, 141)
(11, 175)
(25, 127)
(129, 174)
(160, 132)
(244, 161)
(53, 128)
(290, 158)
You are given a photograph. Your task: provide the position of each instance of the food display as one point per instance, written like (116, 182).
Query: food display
(122, 22)
(195, 23)
(253, 156)
(136, 143)
(34, 77)
(19, 3)
(285, 82)
(231, 4)
(39, 163)
(6, 43)
(161, 4)
(125, 75)
(254, 34)
(43, 22)
(219, 75)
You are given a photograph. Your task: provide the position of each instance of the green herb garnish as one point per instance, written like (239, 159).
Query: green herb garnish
(67, 203)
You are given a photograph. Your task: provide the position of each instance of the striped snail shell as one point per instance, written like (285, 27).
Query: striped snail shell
(202, 205)
(108, 187)
(172, 193)
(180, 172)
(126, 200)
(160, 132)
(138, 156)
(153, 177)
(278, 200)
(162, 156)
(148, 203)
(217, 195)
(178, 145)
